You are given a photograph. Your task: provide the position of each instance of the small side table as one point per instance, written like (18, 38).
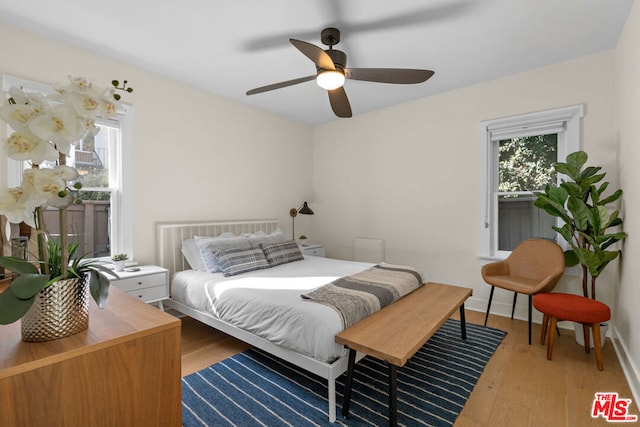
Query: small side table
(149, 284)
(312, 250)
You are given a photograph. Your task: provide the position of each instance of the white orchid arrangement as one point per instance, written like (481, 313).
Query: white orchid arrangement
(44, 129)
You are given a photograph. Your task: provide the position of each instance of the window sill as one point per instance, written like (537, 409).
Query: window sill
(492, 257)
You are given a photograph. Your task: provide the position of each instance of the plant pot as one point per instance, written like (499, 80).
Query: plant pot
(59, 310)
(577, 327)
(119, 265)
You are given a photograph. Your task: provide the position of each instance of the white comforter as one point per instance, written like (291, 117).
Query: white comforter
(267, 302)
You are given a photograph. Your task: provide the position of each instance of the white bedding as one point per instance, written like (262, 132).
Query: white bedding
(267, 302)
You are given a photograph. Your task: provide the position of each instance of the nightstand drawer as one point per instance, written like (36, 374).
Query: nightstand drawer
(149, 294)
(315, 251)
(140, 282)
(312, 250)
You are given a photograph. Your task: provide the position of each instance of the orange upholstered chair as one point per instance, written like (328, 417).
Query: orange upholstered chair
(575, 308)
(534, 266)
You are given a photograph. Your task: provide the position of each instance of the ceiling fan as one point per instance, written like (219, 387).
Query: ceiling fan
(331, 72)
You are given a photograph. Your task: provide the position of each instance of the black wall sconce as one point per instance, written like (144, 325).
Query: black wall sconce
(303, 209)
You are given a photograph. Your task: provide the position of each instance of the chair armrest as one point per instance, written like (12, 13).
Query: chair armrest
(499, 268)
(549, 282)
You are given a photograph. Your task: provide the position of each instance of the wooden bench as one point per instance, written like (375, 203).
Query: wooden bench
(395, 333)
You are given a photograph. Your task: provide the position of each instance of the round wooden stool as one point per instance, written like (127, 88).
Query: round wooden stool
(574, 308)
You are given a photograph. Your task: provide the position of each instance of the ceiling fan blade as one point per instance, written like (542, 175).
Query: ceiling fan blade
(389, 75)
(314, 53)
(281, 85)
(333, 14)
(339, 102)
(420, 16)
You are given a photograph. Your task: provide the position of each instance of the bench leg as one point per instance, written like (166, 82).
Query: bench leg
(346, 399)
(393, 396)
(552, 337)
(463, 323)
(596, 345)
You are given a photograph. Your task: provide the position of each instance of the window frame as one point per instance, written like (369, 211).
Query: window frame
(565, 121)
(122, 193)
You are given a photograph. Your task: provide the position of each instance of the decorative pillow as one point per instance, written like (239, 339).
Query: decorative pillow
(192, 254)
(282, 253)
(209, 246)
(260, 237)
(236, 261)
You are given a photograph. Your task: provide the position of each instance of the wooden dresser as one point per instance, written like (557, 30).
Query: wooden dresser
(122, 371)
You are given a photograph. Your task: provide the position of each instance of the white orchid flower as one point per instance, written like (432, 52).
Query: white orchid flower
(61, 125)
(87, 104)
(27, 146)
(19, 96)
(66, 173)
(28, 187)
(47, 183)
(19, 116)
(17, 206)
(108, 108)
(79, 84)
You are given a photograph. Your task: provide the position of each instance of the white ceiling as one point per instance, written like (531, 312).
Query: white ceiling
(230, 46)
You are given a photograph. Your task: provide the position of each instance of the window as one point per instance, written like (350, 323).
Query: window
(519, 154)
(102, 223)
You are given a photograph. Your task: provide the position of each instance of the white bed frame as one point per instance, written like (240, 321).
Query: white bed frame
(170, 236)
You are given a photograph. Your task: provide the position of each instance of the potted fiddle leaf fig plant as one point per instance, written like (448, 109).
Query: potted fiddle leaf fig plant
(590, 227)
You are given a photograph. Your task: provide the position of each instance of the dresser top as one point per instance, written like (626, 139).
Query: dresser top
(123, 319)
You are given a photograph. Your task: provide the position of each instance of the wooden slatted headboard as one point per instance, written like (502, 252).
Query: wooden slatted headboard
(170, 236)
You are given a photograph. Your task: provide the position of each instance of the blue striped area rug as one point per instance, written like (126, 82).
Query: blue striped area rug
(256, 389)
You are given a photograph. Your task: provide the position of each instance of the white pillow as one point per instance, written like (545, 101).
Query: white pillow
(209, 247)
(261, 238)
(191, 251)
(192, 254)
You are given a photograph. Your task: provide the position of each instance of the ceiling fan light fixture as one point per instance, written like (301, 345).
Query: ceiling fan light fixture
(330, 79)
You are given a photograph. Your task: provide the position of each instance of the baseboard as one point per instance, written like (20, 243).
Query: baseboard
(630, 370)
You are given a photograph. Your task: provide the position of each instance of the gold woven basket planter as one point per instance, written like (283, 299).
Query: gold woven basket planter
(60, 310)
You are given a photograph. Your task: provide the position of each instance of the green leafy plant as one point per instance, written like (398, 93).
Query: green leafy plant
(120, 257)
(582, 206)
(18, 298)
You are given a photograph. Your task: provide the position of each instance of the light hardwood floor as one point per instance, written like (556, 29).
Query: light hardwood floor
(519, 386)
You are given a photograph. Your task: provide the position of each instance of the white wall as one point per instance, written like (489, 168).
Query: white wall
(196, 156)
(627, 77)
(412, 174)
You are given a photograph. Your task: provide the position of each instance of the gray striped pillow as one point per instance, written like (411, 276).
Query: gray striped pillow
(282, 253)
(236, 261)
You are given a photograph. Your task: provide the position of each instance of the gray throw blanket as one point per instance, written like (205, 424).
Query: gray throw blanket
(362, 294)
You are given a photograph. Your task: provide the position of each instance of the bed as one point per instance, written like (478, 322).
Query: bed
(303, 335)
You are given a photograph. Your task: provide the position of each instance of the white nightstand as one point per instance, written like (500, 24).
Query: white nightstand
(150, 283)
(313, 250)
